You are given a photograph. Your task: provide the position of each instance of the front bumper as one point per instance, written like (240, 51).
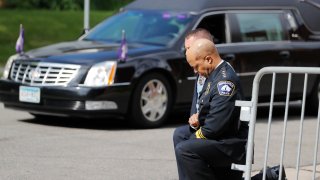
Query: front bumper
(70, 101)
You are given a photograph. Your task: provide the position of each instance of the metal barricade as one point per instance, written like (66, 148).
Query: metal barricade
(249, 113)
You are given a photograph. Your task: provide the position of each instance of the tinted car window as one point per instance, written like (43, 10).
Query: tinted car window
(154, 27)
(215, 24)
(260, 27)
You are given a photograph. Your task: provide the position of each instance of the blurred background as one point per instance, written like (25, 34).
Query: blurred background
(47, 22)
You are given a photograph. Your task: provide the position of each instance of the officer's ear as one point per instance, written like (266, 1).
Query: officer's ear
(208, 59)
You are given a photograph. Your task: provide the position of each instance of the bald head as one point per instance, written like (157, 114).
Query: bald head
(202, 47)
(203, 56)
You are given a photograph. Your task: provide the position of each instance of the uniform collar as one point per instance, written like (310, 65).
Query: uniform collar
(212, 75)
(219, 64)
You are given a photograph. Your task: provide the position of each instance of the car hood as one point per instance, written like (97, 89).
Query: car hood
(87, 52)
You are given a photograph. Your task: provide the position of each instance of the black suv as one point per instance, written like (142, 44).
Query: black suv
(86, 77)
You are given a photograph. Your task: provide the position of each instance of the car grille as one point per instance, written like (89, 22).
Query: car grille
(43, 74)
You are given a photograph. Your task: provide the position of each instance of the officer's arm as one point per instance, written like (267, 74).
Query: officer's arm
(218, 118)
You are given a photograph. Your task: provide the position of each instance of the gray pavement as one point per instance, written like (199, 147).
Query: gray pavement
(60, 148)
(290, 153)
(304, 174)
(82, 149)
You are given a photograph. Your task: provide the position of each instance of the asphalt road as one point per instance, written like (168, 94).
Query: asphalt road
(109, 149)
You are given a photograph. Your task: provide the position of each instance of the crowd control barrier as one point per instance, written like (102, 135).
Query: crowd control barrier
(249, 113)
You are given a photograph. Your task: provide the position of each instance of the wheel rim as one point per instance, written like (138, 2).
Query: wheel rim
(154, 100)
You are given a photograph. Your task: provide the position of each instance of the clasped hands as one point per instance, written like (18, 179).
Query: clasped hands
(193, 121)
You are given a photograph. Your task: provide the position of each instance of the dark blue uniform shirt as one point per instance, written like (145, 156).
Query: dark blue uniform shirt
(218, 115)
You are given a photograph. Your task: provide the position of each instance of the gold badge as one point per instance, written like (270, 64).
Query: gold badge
(208, 89)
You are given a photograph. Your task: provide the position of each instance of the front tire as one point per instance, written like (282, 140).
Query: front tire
(151, 102)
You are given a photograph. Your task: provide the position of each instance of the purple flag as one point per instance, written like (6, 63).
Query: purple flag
(20, 41)
(122, 52)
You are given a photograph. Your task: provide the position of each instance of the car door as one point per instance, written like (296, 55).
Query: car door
(305, 51)
(258, 39)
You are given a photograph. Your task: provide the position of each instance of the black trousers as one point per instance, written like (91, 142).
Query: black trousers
(199, 159)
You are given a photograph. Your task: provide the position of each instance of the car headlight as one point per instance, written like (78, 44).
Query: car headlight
(7, 67)
(101, 74)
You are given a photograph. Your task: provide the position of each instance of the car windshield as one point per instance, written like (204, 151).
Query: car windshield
(147, 27)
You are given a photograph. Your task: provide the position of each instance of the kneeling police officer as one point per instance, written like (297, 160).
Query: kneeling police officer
(214, 138)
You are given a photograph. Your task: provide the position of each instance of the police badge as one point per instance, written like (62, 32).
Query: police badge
(208, 89)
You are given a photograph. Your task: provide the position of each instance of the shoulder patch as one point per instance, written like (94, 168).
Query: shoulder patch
(225, 88)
